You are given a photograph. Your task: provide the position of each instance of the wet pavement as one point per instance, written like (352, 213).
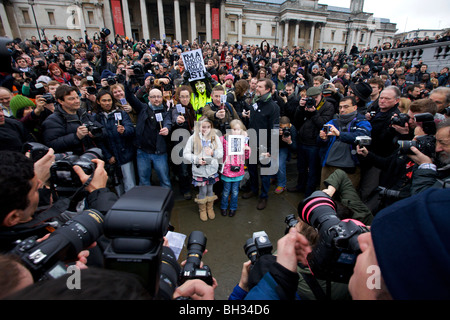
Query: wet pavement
(226, 236)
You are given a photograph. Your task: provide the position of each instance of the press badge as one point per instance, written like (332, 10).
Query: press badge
(255, 106)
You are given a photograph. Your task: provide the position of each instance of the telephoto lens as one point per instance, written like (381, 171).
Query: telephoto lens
(192, 270)
(334, 256)
(44, 259)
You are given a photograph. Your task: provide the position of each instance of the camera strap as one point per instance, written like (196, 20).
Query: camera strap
(315, 287)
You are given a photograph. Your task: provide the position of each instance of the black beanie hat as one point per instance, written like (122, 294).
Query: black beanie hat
(412, 245)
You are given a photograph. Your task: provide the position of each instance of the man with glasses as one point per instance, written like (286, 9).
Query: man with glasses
(153, 124)
(383, 143)
(433, 173)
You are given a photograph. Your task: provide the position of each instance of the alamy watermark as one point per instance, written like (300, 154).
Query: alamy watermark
(258, 142)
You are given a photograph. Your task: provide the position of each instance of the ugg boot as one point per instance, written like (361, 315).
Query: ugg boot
(210, 206)
(202, 208)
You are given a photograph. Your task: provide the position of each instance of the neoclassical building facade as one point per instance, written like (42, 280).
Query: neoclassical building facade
(304, 23)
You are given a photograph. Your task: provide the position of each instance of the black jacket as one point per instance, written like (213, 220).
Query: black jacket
(147, 128)
(310, 123)
(60, 131)
(13, 135)
(265, 117)
(383, 143)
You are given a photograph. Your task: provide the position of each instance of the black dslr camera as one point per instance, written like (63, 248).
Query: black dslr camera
(138, 69)
(286, 132)
(96, 131)
(400, 119)
(105, 32)
(136, 225)
(426, 144)
(47, 259)
(334, 257)
(195, 247)
(310, 102)
(258, 245)
(48, 98)
(64, 178)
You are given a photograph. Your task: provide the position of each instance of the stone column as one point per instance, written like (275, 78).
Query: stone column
(162, 28)
(144, 20)
(126, 19)
(223, 22)
(81, 19)
(239, 28)
(5, 21)
(370, 38)
(208, 22)
(311, 40)
(286, 33)
(322, 34)
(351, 40)
(193, 22)
(358, 37)
(99, 15)
(176, 15)
(106, 13)
(297, 27)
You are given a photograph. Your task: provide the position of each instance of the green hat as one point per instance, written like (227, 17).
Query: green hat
(313, 91)
(19, 102)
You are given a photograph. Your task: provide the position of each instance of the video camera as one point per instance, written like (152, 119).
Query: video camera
(334, 257)
(363, 141)
(47, 259)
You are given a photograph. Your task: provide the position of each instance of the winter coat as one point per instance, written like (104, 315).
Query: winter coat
(356, 128)
(114, 144)
(207, 170)
(233, 160)
(60, 131)
(310, 123)
(147, 128)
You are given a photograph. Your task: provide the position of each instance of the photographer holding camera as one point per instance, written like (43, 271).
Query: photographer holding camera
(290, 101)
(24, 213)
(383, 143)
(313, 112)
(70, 128)
(433, 172)
(340, 136)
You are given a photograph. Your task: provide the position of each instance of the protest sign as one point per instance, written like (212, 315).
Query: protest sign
(193, 62)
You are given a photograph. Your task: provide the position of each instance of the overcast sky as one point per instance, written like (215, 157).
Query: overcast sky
(407, 14)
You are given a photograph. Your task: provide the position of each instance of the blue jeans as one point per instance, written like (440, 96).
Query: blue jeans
(308, 165)
(283, 155)
(254, 172)
(160, 164)
(233, 188)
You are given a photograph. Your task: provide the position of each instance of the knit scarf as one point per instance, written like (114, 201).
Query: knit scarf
(344, 119)
(263, 98)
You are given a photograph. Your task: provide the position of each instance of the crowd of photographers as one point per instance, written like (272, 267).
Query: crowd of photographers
(79, 129)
